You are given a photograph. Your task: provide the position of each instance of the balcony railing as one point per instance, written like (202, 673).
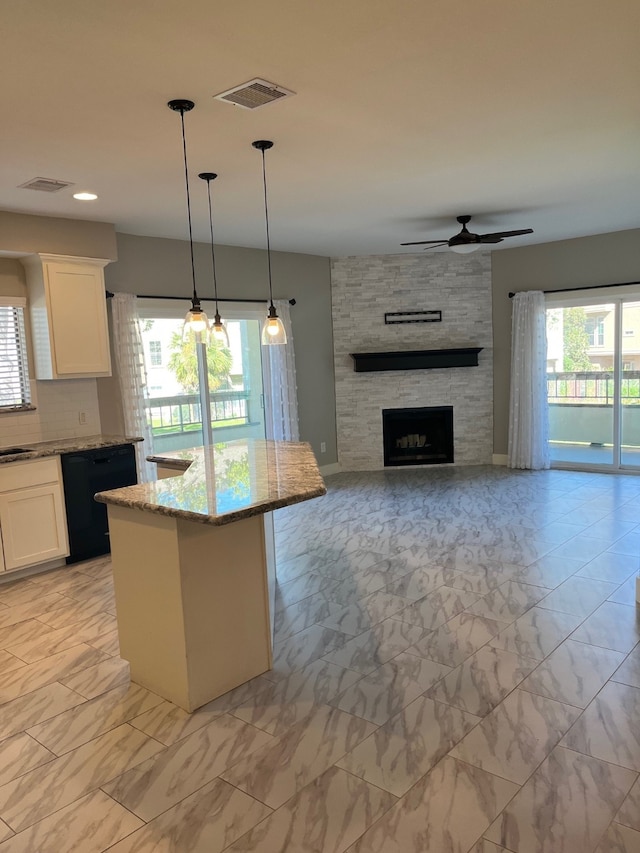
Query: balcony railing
(182, 413)
(581, 413)
(592, 388)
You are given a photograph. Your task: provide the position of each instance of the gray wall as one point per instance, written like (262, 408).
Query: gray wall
(583, 262)
(27, 234)
(155, 266)
(13, 281)
(150, 265)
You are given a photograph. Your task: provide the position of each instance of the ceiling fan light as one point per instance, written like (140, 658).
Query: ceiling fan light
(273, 331)
(465, 248)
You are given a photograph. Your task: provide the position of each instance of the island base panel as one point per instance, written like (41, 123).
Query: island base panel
(192, 603)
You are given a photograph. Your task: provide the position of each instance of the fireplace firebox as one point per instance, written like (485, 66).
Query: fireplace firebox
(421, 436)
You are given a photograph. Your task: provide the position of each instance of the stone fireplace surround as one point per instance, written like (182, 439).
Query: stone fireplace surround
(363, 288)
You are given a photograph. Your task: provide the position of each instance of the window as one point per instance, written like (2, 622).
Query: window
(14, 370)
(595, 330)
(155, 353)
(628, 365)
(175, 367)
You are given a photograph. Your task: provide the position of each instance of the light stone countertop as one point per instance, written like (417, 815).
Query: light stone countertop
(180, 460)
(227, 481)
(65, 445)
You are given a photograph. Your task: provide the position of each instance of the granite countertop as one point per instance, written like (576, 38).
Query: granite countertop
(227, 481)
(178, 459)
(66, 445)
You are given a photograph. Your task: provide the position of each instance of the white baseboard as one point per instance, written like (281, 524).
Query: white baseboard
(500, 459)
(20, 574)
(333, 468)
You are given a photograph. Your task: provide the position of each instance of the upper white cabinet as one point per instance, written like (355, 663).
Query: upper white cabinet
(68, 313)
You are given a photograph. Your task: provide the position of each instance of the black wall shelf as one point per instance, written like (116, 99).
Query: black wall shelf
(426, 359)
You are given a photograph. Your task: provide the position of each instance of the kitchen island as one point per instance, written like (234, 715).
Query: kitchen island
(190, 564)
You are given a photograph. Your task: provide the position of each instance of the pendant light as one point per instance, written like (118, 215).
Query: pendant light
(218, 329)
(273, 330)
(196, 320)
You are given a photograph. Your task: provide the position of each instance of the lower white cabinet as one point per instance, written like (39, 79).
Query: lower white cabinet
(163, 471)
(32, 515)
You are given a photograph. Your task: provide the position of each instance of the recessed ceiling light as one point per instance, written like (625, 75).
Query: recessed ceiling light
(85, 196)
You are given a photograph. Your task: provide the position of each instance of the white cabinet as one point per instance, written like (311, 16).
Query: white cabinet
(32, 515)
(163, 472)
(68, 312)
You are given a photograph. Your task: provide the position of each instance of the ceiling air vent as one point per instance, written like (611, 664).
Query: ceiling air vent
(255, 93)
(45, 185)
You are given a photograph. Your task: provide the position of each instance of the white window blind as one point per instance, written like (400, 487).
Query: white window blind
(14, 369)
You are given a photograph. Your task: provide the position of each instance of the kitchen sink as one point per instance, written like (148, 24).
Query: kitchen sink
(9, 451)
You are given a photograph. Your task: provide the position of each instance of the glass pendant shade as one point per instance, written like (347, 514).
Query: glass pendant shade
(196, 322)
(219, 331)
(273, 329)
(465, 248)
(217, 328)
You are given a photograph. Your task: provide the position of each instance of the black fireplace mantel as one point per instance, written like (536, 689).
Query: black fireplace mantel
(425, 359)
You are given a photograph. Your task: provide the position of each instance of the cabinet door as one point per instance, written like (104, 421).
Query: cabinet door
(163, 472)
(78, 319)
(33, 525)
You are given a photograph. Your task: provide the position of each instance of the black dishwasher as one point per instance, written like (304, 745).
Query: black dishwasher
(84, 473)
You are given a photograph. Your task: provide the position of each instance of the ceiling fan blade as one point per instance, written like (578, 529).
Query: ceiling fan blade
(424, 242)
(502, 234)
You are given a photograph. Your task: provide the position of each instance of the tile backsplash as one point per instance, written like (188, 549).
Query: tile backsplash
(57, 415)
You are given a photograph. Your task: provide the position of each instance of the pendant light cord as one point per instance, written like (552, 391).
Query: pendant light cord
(186, 181)
(213, 254)
(266, 216)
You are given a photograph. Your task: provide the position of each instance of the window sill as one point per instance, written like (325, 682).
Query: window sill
(10, 410)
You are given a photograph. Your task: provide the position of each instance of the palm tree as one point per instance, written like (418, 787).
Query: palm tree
(183, 363)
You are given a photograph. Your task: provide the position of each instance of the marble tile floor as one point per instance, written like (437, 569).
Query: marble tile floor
(456, 670)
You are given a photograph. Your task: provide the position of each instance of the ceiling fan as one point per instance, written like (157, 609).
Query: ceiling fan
(465, 241)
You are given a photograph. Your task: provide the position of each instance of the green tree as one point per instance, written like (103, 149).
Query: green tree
(235, 476)
(576, 340)
(183, 363)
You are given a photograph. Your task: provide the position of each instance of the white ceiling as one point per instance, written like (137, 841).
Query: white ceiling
(524, 113)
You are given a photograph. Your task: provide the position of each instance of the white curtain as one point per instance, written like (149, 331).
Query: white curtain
(282, 377)
(132, 376)
(528, 411)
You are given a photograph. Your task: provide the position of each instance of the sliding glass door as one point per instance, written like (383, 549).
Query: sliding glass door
(630, 385)
(593, 350)
(184, 410)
